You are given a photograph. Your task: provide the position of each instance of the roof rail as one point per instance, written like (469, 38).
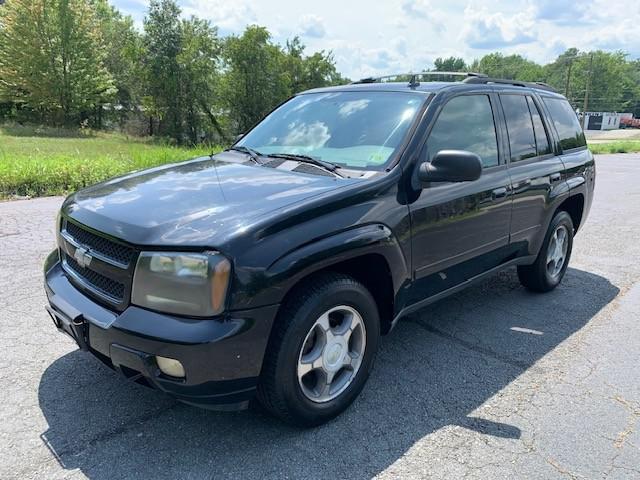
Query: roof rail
(413, 82)
(517, 83)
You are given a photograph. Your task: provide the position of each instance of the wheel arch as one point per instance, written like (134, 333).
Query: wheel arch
(370, 254)
(574, 206)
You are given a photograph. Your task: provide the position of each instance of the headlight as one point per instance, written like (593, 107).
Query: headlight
(192, 284)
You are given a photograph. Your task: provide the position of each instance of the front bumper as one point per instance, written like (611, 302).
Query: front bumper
(222, 357)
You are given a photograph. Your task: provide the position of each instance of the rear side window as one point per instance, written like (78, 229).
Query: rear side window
(519, 127)
(566, 123)
(542, 140)
(465, 123)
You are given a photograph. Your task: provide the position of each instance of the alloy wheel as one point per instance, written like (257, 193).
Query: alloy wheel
(331, 354)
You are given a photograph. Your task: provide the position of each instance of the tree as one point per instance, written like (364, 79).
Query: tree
(614, 81)
(512, 67)
(450, 64)
(123, 50)
(162, 43)
(253, 83)
(52, 60)
(305, 72)
(197, 61)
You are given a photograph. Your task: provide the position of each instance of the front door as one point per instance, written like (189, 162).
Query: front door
(461, 229)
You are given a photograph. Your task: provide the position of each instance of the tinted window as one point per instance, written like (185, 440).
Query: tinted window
(566, 123)
(353, 129)
(519, 127)
(542, 140)
(465, 123)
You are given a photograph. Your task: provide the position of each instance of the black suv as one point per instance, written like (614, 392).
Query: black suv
(272, 268)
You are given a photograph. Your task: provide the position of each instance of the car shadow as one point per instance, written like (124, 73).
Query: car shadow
(434, 370)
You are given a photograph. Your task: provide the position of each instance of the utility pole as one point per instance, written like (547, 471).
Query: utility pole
(586, 93)
(566, 86)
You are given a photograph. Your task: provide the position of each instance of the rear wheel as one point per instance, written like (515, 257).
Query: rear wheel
(547, 271)
(321, 351)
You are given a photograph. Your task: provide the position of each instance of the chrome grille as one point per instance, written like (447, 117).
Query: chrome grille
(101, 267)
(117, 252)
(104, 285)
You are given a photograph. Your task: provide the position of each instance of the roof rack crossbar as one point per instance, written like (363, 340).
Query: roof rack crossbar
(516, 83)
(413, 76)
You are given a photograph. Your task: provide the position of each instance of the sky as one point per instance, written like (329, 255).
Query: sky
(369, 37)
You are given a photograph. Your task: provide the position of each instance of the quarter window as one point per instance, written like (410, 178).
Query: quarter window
(519, 127)
(566, 123)
(465, 123)
(542, 140)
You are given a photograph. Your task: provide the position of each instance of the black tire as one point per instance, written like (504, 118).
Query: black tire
(536, 277)
(279, 390)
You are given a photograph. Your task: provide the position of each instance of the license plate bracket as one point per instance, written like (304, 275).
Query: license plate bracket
(72, 323)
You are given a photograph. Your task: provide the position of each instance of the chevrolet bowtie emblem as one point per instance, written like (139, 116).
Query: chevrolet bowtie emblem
(82, 257)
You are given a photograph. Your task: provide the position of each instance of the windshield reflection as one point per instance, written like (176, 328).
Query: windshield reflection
(352, 129)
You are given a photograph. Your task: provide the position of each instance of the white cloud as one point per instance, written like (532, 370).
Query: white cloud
(423, 10)
(492, 31)
(312, 26)
(229, 17)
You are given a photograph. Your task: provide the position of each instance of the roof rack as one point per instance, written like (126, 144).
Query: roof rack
(413, 82)
(516, 83)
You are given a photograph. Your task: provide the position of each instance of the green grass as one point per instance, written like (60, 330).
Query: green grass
(36, 161)
(619, 146)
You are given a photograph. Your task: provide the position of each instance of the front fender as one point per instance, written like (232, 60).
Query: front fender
(272, 284)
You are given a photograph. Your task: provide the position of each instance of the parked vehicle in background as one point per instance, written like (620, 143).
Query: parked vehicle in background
(273, 268)
(627, 121)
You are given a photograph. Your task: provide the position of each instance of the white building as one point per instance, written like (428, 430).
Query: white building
(603, 120)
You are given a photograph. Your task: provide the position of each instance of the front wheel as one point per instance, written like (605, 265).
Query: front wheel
(547, 271)
(321, 351)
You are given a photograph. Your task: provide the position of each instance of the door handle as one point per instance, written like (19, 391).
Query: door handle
(554, 177)
(499, 193)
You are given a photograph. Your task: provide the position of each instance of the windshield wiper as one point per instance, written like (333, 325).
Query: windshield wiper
(253, 154)
(332, 167)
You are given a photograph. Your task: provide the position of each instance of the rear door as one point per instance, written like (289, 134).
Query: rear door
(461, 229)
(534, 169)
(578, 161)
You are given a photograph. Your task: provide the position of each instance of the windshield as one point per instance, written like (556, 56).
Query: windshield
(350, 129)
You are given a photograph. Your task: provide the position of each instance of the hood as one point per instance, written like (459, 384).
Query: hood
(195, 203)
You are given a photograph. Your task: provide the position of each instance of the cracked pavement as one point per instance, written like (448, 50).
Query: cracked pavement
(495, 382)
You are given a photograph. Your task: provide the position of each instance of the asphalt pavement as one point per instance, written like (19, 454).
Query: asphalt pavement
(495, 382)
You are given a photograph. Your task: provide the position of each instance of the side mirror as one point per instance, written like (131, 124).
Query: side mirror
(451, 166)
(237, 138)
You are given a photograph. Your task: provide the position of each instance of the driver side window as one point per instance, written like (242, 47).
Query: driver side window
(465, 123)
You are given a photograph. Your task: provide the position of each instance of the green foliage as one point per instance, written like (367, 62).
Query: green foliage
(614, 81)
(305, 72)
(37, 161)
(258, 75)
(450, 64)
(163, 43)
(253, 83)
(197, 61)
(512, 67)
(123, 49)
(51, 58)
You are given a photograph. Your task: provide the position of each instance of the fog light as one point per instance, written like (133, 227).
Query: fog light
(170, 367)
